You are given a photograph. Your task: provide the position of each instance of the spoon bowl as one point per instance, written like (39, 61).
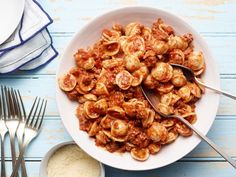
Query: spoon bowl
(190, 76)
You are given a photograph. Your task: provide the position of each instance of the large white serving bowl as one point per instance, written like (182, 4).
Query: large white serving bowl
(206, 107)
(11, 12)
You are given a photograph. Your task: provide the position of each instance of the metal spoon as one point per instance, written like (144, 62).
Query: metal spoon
(153, 99)
(189, 74)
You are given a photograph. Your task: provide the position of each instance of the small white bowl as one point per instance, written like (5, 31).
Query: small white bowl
(44, 162)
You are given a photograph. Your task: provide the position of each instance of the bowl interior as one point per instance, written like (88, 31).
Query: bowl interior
(44, 162)
(206, 107)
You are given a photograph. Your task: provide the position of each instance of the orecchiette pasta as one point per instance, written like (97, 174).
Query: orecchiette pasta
(185, 93)
(87, 97)
(119, 28)
(150, 82)
(94, 129)
(116, 139)
(111, 48)
(116, 112)
(183, 129)
(165, 87)
(139, 75)
(134, 45)
(195, 61)
(101, 89)
(67, 82)
(86, 83)
(111, 63)
(106, 83)
(172, 136)
(178, 79)
(89, 110)
(124, 80)
(160, 47)
(154, 148)
(147, 33)
(157, 132)
(101, 106)
(110, 35)
(140, 154)
(177, 56)
(132, 63)
(133, 29)
(169, 99)
(165, 109)
(162, 72)
(106, 122)
(168, 122)
(119, 128)
(177, 42)
(148, 120)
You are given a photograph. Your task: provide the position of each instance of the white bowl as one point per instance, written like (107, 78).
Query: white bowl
(44, 162)
(206, 107)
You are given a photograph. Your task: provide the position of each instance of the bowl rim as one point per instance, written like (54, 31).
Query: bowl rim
(52, 150)
(192, 30)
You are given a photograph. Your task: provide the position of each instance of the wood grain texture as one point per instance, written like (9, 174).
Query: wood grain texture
(205, 17)
(178, 169)
(215, 20)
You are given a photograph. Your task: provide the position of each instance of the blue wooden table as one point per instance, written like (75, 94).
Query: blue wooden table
(215, 20)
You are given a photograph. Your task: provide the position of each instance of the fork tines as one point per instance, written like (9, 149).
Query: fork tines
(20, 106)
(2, 104)
(11, 98)
(36, 115)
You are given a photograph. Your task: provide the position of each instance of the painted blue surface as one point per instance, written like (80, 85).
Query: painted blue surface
(216, 22)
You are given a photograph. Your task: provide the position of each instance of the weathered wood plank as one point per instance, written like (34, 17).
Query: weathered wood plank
(205, 16)
(44, 86)
(53, 132)
(178, 169)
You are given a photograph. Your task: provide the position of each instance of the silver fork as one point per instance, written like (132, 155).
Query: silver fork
(17, 99)
(32, 128)
(3, 131)
(11, 121)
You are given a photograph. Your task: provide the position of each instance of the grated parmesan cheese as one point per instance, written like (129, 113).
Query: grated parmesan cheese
(71, 161)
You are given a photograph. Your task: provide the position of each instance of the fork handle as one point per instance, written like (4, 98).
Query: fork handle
(19, 160)
(23, 168)
(208, 141)
(3, 168)
(13, 150)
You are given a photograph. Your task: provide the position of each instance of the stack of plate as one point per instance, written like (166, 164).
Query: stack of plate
(11, 12)
(25, 42)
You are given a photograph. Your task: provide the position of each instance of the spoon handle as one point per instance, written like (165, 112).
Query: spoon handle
(207, 140)
(216, 90)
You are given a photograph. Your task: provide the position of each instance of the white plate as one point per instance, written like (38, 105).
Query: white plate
(206, 107)
(10, 15)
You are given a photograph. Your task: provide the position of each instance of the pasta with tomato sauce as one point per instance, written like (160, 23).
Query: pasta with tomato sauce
(106, 83)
